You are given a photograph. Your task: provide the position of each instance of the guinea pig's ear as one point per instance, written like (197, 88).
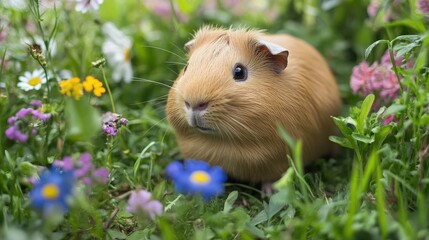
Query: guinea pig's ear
(278, 55)
(189, 45)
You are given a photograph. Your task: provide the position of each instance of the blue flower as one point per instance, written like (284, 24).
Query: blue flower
(197, 177)
(52, 190)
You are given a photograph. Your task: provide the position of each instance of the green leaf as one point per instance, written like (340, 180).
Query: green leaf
(140, 234)
(366, 107)
(362, 138)
(115, 234)
(394, 108)
(381, 135)
(414, 24)
(424, 120)
(286, 137)
(137, 163)
(372, 46)
(188, 6)
(229, 202)
(286, 180)
(269, 211)
(167, 230)
(342, 124)
(344, 142)
(83, 120)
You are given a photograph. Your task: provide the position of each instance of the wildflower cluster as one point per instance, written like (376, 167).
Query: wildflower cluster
(111, 122)
(51, 191)
(83, 170)
(141, 203)
(74, 87)
(379, 78)
(26, 120)
(197, 177)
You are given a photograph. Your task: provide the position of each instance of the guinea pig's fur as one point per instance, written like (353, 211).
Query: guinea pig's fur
(233, 124)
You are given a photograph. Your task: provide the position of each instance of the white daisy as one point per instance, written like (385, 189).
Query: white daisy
(14, 4)
(117, 49)
(32, 80)
(85, 5)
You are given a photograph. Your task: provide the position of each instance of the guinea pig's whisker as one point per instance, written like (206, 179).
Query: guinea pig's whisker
(231, 132)
(161, 99)
(164, 50)
(136, 79)
(154, 125)
(245, 127)
(176, 63)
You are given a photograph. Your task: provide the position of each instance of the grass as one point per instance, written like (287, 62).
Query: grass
(375, 188)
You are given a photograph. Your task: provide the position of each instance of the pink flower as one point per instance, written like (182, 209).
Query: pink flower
(378, 78)
(361, 79)
(389, 119)
(141, 203)
(4, 29)
(162, 8)
(423, 6)
(385, 59)
(101, 175)
(373, 7)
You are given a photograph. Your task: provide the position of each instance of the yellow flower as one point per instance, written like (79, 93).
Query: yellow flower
(72, 87)
(94, 85)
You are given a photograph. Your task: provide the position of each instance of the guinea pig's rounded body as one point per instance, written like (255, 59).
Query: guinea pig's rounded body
(238, 86)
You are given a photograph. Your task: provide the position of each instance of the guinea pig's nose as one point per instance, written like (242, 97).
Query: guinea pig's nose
(200, 106)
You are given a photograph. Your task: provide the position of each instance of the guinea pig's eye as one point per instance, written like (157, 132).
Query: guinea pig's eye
(239, 72)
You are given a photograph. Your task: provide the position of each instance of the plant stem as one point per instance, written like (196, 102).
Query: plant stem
(108, 90)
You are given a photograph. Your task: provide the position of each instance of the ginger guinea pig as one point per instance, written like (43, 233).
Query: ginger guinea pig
(237, 87)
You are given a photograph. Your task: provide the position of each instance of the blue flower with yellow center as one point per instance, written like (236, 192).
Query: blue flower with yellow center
(52, 190)
(197, 177)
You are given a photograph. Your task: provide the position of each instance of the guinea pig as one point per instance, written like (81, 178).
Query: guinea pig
(237, 87)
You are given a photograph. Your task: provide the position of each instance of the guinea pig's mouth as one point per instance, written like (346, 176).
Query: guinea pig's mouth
(204, 129)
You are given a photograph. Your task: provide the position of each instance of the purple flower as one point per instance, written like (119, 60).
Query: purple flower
(23, 122)
(109, 117)
(123, 121)
(66, 164)
(36, 103)
(23, 112)
(85, 165)
(110, 130)
(13, 133)
(141, 203)
(41, 116)
(423, 6)
(11, 120)
(197, 177)
(111, 122)
(83, 169)
(101, 175)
